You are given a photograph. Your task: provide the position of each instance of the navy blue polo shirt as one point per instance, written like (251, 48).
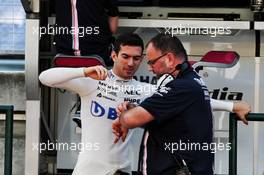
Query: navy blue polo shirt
(182, 125)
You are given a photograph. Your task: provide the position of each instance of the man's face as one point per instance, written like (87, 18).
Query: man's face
(156, 60)
(127, 61)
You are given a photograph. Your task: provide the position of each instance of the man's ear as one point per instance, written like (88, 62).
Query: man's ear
(170, 61)
(114, 55)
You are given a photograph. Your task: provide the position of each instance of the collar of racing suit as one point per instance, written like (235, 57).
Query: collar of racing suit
(116, 78)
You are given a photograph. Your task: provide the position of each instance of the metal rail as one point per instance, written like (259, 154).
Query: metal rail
(233, 138)
(9, 112)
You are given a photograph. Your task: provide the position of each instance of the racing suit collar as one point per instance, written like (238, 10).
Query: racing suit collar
(116, 78)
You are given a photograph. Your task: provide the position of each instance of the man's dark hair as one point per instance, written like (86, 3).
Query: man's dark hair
(166, 43)
(128, 39)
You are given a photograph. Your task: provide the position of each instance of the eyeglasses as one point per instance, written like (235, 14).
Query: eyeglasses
(153, 61)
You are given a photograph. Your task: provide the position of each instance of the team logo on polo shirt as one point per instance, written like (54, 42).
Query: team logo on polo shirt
(163, 90)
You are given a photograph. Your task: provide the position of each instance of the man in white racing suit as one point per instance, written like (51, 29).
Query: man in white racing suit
(101, 91)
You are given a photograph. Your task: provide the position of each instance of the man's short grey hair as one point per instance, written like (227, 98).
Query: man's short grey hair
(167, 43)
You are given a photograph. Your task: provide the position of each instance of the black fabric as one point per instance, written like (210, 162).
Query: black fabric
(182, 114)
(121, 173)
(141, 154)
(92, 16)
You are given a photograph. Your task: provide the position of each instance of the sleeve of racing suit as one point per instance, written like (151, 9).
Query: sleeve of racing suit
(219, 105)
(72, 79)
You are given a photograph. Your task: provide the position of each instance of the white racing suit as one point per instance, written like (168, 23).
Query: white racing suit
(100, 156)
(99, 99)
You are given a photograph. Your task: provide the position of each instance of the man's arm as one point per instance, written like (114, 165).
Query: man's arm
(118, 129)
(241, 108)
(112, 12)
(113, 23)
(54, 77)
(73, 79)
(135, 117)
(220, 105)
(138, 116)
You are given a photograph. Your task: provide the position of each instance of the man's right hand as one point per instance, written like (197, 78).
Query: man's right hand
(96, 72)
(119, 131)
